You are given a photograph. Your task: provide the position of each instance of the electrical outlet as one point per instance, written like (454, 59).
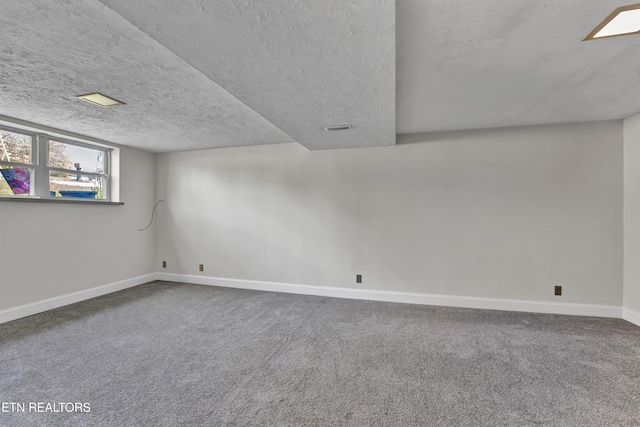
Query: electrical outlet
(358, 278)
(558, 290)
(201, 267)
(164, 264)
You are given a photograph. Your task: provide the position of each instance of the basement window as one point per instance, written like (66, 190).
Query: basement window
(42, 166)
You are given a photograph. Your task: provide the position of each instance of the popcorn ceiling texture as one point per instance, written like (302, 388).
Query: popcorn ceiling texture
(300, 64)
(201, 74)
(53, 50)
(468, 64)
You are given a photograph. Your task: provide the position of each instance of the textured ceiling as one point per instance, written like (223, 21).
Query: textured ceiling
(52, 50)
(202, 74)
(467, 64)
(300, 64)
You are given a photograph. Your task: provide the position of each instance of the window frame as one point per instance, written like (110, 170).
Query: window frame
(40, 178)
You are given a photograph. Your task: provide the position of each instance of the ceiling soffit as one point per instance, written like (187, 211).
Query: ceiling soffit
(301, 65)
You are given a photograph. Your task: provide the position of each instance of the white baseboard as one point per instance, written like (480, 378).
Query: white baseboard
(349, 293)
(403, 297)
(62, 300)
(631, 316)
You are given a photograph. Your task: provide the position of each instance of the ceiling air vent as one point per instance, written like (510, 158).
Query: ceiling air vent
(334, 128)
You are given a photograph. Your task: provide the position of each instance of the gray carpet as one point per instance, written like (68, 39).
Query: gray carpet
(167, 354)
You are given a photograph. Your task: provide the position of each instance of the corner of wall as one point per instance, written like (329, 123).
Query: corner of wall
(631, 219)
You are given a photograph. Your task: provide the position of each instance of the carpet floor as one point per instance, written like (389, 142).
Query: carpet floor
(168, 354)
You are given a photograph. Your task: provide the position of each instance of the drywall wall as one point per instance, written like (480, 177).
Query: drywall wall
(632, 214)
(505, 213)
(53, 249)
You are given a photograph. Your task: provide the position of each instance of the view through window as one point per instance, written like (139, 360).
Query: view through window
(39, 165)
(15, 163)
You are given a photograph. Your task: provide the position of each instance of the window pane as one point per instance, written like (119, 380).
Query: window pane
(69, 156)
(76, 185)
(15, 181)
(15, 147)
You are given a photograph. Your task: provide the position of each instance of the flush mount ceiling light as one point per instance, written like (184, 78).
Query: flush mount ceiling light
(334, 128)
(622, 21)
(100, 100)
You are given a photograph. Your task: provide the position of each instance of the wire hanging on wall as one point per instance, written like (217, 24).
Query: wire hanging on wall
(152, 215)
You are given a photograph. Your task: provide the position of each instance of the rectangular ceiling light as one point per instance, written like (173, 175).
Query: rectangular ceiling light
(101, 100)
(622, 21)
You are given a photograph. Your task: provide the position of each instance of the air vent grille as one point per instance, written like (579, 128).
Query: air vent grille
(336, 128)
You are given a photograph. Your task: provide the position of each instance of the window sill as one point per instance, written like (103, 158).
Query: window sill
(58, 200)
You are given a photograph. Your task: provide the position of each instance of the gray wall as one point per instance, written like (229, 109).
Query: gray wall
(51, 249)
(503, 213)
(632, 213)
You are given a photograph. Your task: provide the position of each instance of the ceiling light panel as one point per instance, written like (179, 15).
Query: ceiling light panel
(622, 21)
(100, 100)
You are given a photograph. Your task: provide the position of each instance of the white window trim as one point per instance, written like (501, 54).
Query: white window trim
(44, 146)
(40, 163)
